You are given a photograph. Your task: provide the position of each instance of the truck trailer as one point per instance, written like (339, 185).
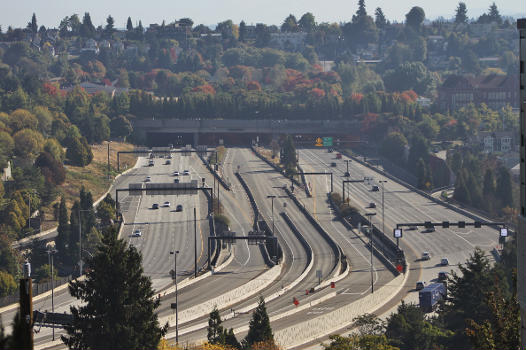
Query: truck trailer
(431, 295)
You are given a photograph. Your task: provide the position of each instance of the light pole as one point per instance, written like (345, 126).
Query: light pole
(272, 199)
(370, 215)
(176, 306)
(50, 254)
(383, 211)
(347, 174)
(109, 159)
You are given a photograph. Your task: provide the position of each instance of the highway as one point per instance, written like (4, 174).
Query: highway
(403, 205)
(264, 181)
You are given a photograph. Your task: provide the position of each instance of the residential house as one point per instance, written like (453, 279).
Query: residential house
(496, 142)
(496, 91)
(6, 173)
(90, 47)
(288, 41)
(92, 88)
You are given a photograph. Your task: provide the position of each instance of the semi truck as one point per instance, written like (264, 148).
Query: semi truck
(431, 295)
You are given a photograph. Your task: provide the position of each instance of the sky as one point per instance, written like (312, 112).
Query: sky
(210, 12)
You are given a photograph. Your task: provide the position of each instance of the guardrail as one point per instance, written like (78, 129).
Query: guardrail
(214, 173)
(420, 192)
(304, 180)
(334, 246)
(261, 225)
(385, 249)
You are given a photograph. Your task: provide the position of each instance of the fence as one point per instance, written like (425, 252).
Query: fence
(38, 288)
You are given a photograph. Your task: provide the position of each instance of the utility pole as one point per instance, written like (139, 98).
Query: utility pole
(370, 215)
(26, 308)
(383, 211)
(195, 244)
(176, 304)
(50, 254)
(272, 199)
(109, 160)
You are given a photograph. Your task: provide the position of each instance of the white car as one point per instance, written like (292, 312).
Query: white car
(444, 262)
(426, 256)
(137, 233)
(148, 179)
(176, 173)
(186, 172)
(166, 204)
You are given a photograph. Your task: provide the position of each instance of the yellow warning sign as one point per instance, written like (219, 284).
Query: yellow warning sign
(319, 142)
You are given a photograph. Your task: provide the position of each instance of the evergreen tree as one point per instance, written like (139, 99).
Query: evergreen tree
(259, 328)
(289, 155)
(461, 14)
(415, 17)
(88, 212)
(215, 330)
(110, 24)
(489, 183)
(461, 193)
(494, 15)
(118, 304)
(504, 189)
(422, 175)
(63, 231)
(230, 339)
(242, 31)
(361, 12)
(33, 25)
(380, 19)
(87, 29)
(129, 25)
(74, 229)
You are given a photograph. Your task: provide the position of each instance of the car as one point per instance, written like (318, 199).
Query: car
(176, 181)
(166, 204)
(426, 256)
(176, 173)
(151, 164)
(137, 233)
(155, 206)
(148, 179)
(169, 156)
(330, 150)
(186, 172)
(152, 155)
(168, 162)
(372, 205)
(412, 228)
(429, 229)
(346, 174)
(333, 164)
(375, 188)
(442, 276)
(420, 285)
(444, 262)
(179, 207)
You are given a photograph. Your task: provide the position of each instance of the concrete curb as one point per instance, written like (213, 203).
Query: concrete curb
(225, 300)
(335, 279)
(321, 326)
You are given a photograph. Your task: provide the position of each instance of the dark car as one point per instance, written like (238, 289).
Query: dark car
(155, 206)
(372, 205)
(179, 207)
(333, 164)
(442, 275)
(375, 188)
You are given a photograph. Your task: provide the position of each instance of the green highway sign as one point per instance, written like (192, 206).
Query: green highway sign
(327, 141)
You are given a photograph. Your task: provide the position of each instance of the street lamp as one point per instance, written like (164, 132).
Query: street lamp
(50, 253)
(176, 305)
(272, 199)
(370, 215)
(383, 212)
(347, 174)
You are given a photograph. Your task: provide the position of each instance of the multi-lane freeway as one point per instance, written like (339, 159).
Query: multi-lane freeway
(166, 229)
